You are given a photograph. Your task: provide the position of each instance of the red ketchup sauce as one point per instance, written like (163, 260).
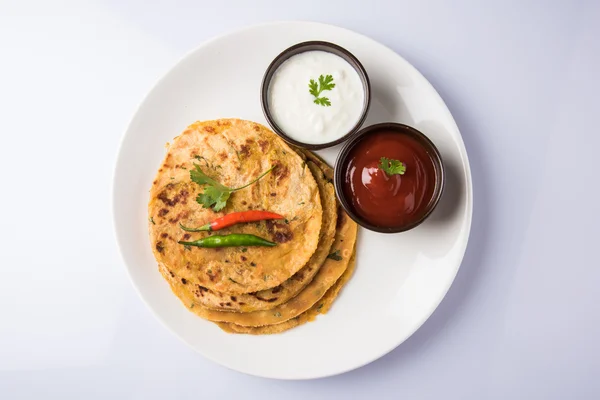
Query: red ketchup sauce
(389, 200)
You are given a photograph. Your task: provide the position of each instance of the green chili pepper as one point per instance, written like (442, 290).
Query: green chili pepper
(233, 240)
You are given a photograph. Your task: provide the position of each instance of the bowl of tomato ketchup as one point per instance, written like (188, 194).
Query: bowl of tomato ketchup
(389, 177)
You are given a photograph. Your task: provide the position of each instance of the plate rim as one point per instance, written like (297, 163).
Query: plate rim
(119, 155)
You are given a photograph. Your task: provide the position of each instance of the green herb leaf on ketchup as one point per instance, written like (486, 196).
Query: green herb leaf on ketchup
(391, 166)
(325, 83)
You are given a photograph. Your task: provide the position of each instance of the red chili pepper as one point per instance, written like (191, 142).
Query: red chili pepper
(234, 218)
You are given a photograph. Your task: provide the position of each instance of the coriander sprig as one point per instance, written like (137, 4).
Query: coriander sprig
(215, 195)
(325, 83)
(392, 167)
(335, 255)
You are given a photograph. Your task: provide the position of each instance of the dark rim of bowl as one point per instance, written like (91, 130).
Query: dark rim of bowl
(339, 173)
(314, 46)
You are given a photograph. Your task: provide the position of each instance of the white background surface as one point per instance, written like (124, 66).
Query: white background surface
(522, 319)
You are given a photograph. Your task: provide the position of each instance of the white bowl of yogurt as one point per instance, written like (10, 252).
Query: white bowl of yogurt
(315, 94)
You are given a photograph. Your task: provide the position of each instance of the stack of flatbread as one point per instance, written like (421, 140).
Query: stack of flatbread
(246, 289)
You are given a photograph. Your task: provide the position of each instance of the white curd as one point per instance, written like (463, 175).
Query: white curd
(292, 105)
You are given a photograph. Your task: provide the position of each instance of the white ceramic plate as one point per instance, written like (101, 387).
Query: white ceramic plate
(400, 279)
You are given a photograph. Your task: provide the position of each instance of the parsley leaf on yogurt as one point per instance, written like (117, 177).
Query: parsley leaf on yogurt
(325, 83)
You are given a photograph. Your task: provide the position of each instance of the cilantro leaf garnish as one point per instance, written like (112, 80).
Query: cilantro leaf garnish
(392, 167)
(215, 195)
(198, 176)
(325, 83)
(322, 101)
(335, 255)
(313, 88)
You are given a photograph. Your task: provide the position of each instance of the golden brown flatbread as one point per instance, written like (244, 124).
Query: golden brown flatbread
(321, 307)
(234, 152)
(331, 270)
(270, 298)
